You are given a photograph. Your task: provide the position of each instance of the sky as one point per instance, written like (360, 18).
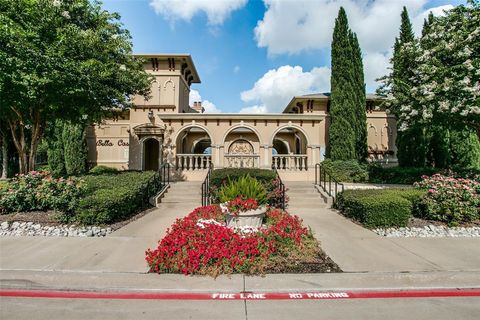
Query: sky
(253, 56)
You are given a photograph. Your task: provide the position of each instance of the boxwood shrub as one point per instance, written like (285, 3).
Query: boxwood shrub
(376, 208)
(114, 197)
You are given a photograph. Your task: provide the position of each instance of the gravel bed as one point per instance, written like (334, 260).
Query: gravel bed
(429, 231)
(35, 229)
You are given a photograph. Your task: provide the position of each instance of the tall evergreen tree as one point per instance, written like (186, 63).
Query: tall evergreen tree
(75, 146)
(411, 143)
(359, 99)
(342, 128)
(55, 152)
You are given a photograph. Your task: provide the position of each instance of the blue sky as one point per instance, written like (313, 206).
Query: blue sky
(253, 56)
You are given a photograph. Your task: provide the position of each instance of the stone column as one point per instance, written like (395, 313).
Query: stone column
(217, 156)
(267, 156)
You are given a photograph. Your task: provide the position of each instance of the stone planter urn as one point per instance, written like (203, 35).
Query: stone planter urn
(250, 218)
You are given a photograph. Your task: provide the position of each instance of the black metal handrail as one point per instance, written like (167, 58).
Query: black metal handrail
(206, 199)
(156, 183)
(282, 188)
(328, 183)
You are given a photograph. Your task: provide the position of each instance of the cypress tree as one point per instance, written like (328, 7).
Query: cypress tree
(55, 151)
(411, 143)
(75, 146)
(342, 128)
(360, 99)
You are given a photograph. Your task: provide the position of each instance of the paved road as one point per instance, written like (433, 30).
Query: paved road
(422, 308)
(49, 309)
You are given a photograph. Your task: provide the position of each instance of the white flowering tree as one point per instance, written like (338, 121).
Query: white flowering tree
(59, 59)
(446, 81)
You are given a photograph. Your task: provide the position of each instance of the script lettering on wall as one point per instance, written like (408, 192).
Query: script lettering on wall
(109, 143)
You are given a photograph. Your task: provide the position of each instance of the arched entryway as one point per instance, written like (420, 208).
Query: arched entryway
(194, 149)
(289, 149)
(151, 154)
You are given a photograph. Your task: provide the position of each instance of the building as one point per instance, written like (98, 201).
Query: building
(165, 128)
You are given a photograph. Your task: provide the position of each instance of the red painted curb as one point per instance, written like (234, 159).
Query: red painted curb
(314, 295)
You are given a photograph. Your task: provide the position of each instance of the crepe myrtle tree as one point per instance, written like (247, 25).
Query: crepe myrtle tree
(68, 60)
(446, 80)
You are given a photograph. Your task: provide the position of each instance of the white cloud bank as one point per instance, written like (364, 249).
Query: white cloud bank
(209, 107)
(276, 88)
(216, 10)
(291, 27)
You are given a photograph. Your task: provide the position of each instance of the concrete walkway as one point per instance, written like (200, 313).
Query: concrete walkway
(121, 251)
(356, 249)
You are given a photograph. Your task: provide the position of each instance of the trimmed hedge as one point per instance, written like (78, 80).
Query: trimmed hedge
(220, 176)
(346, 171)
(398, 175)
(376, 208)
(111, 198)
(103, 170)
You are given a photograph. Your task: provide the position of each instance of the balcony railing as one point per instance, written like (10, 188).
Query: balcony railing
(242, 161)
(193, 161)
(295, 162)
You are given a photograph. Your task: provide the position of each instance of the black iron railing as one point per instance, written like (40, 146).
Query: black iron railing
(206, 199)
(154, 185)
(328, 183)
(281, 186)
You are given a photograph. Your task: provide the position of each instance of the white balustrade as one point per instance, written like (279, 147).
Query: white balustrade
(294, 162)
(193, 162)
(242, 160)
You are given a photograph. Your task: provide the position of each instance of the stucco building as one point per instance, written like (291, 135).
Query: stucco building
(165, 128)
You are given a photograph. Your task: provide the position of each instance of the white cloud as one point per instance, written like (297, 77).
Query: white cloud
(254, 109)
(216, 10)
(291, 27)
(275, 89)
(209, 107)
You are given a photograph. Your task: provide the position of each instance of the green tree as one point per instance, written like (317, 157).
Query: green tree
(75, 148)
(446, 82)
(55, 151)
(359, 99)
(342, 128)
(67, 60)
(464, 148)
(411, 143)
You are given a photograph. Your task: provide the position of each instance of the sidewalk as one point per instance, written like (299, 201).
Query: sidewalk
(356, 249)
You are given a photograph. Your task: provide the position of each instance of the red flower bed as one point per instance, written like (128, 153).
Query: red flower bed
(200, 243)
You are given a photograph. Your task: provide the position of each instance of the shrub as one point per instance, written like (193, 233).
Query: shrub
(200, 243)
(267, 178)
(55, 151)
(221, 177)
(112, 198)
(397, 175)
(245, 187)
(39, 191)
(378, 208)
(75, 148)
(451, 200)
(346, 171)
(103, 170)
